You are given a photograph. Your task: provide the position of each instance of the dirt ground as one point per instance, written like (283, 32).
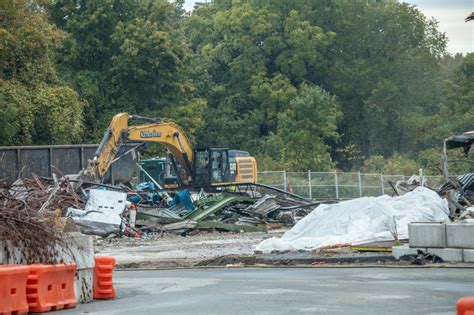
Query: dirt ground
(230, 249)
(218, 249)
(171, 250)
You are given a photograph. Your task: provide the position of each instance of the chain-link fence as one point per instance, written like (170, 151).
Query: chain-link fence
(336, 185)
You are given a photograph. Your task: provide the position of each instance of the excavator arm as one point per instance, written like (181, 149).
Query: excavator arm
(156, 130)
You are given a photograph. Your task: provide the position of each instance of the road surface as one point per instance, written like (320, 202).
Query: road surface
(286, 291)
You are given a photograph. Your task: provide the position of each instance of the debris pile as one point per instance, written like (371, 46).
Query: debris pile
(222, 212)
(30, 204)
(404, 186)
(459, 192)
(30, 227)
(34, 194)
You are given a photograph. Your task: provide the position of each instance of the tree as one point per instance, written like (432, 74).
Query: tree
(384, 63)
(124, 55)
(57, 116)
(303, 129)
(13, 101)
(32, 95)
(86, 55)
(146, 69)
(257, 55)
(457, 112)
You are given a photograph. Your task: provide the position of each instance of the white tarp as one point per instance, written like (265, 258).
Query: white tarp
(360, 220)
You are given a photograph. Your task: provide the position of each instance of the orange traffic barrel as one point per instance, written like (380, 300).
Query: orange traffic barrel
(465, 306)
(13, 289)
(103, 282)
(51, 287)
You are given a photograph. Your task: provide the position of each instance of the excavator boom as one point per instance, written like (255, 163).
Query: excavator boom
(157, 130)
(203, 167)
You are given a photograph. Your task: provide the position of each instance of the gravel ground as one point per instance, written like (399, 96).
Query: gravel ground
(170, 250)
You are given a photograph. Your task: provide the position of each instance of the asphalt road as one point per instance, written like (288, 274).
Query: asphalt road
(286, 291)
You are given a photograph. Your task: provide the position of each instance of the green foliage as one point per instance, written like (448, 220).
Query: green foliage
(43, 115)
(28, 43)
(146, 68)
(190, 116)
(430, 161)
(400, 164)
(12, 101)
(258, 55)
(90, 26)
(311, 119)
(86, 56)
(397, 165)
(375, 164)
(57, 116)
(385, 71)
(261, 76)
(35, 105)
(459, 163)
(457, 112)
(123, 55)
(225, 126)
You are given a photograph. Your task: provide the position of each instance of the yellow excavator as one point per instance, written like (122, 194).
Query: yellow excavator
(201, 167)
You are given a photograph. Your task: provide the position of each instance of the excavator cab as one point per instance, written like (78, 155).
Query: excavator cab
(211, 166)
(221, 166)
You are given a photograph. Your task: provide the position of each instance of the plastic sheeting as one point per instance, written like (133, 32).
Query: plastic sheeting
(360, 220)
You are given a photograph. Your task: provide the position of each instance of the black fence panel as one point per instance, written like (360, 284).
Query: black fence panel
(20, 161)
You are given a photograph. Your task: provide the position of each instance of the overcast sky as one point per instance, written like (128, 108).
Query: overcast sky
(449, 13)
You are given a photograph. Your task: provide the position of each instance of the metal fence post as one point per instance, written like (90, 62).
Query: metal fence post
(309, 185)
(285, 183)
(18, 163)
(336, 185)
(381, 181)
(360, 184)
(50, 166)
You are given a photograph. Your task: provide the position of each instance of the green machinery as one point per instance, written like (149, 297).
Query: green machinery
(158, 168)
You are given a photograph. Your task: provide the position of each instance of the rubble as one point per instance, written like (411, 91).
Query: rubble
(225, 212)
(105, 210)
(34, 195)
(404, 186)
(459, 192)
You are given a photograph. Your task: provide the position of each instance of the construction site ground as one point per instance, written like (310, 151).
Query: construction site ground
(230, 249)
(169, 250)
